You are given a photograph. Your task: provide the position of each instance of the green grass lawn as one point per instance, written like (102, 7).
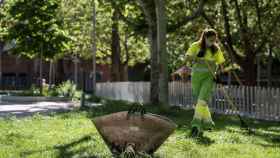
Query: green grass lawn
(72, 135)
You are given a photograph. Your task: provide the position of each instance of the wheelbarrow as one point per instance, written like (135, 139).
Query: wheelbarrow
(134, 133)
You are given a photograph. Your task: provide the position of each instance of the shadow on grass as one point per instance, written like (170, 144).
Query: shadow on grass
(181, 117)
(67, 150)
(269, 145)
(268, 131)
(204, 140)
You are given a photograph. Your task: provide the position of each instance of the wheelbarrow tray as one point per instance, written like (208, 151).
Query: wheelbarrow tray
(146, 132)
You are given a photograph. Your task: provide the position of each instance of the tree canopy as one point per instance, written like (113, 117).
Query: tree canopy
(63, 27)
(34, 28)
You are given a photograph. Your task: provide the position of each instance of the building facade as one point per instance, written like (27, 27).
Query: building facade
(20, 73)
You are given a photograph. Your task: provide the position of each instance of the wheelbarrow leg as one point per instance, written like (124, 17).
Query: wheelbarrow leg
(129, 151)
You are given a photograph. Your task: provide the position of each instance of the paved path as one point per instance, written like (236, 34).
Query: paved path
(29, 108)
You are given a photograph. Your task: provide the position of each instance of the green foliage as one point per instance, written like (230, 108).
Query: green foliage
(68, 89)
(137, 45)
(93, 98)
(32, 91)
(52, 92)
(253, 32)
(36, 28)
(3, 11)
(35, 91)
(76, 16)
(73, 135)
(64, 28)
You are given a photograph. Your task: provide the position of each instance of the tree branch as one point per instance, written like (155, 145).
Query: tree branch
(228, 37)
(139, 26)
(238, 13)
(125, 43)
(198, 12)
(208, 20)
(267, 34)
(243, 29)
(258, 12)
(227, 45)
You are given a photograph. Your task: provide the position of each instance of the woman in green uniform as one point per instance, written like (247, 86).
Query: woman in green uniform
(206, 57)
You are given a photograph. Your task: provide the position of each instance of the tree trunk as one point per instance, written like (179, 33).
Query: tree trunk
(124, 65)
(41, 71)
(50, 74)
(269, 67)
(115, 57)
(1, 70)
(35, 66)
(249, 63)
(228, 43)
(60, 71)
(53, 72)
(154, 66)
(155, 16)
(123, 72)
(1, 51)
(258, 70)
(150, 15)
(249, 68)
(94, 49)
(161, 48)
(76, 62)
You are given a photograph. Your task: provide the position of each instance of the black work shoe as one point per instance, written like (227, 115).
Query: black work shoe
(195, 132)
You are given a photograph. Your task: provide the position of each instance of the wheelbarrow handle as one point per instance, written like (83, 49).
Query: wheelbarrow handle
(136, 109)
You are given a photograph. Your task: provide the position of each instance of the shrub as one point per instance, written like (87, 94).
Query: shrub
(68, 89)
(32, 91)
(93, 98)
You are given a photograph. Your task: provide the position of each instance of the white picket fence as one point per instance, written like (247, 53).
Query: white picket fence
(255, 102)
